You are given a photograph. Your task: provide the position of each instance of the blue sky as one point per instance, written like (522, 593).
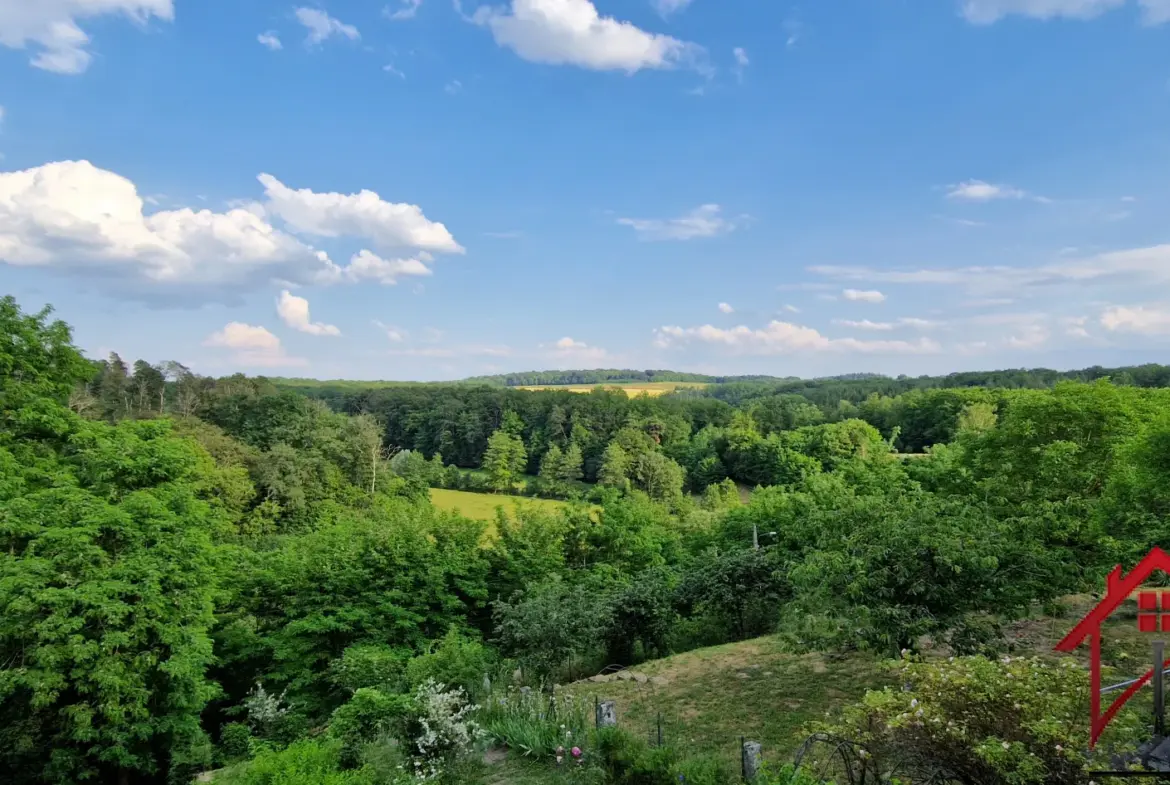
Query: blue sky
(430, 190)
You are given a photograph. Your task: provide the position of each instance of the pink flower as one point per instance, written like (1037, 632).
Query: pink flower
(576, 752)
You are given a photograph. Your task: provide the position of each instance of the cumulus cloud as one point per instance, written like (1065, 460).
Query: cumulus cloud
(294, 311)
(81, 219)
(984, 12)
(863, 296)
(364, 214)
(572, 32)
(407, 9)
(368, 266)
(979, 191)
(51, 27)
(704, 221)
(76, 216)
(251, 345)
(270, 41)
(783, 338)
(726, 308)
(322, 26)
(1139, 319)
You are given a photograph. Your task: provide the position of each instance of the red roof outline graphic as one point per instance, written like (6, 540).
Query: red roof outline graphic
(1118, 588)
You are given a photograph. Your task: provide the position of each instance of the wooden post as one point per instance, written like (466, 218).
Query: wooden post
(752, 758)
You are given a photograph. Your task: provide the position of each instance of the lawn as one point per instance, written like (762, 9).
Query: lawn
(632, 389)
(482, 506)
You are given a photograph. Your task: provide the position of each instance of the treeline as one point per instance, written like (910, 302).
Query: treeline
(606, 376)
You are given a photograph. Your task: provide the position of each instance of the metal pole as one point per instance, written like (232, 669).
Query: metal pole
(1159, 693)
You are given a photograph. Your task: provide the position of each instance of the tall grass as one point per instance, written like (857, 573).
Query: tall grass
(534, 723)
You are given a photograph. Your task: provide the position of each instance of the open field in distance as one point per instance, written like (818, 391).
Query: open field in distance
(632, 389)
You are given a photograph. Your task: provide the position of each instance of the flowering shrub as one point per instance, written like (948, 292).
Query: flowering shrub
(265, 710)
(441, 728)
(1011, 721)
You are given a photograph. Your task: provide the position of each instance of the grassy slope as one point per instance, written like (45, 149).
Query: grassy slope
(711, 697)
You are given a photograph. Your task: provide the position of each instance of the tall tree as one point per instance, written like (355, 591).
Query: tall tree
(615, 467)
(504, 460)
(550, 466)
(571, 468)
(148, 387)
(113, 389)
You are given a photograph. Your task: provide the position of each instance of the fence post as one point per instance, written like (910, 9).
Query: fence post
(596, 712)
(751, 759)
(659, 729)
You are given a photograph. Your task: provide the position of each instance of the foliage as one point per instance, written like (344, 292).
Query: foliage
(1018, 721)
(454, 660)
(305, 762)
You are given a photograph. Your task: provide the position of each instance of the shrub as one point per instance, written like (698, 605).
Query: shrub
(997, 722)
(367, 716)
(370, 665)
(440, 727)
(235, 742)
(304, 763)
(533, 724)
(453, 660)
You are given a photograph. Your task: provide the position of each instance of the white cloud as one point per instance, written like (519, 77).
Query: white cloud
(408, 9)
(390, 69)
(1032, 336)
(394, 334)
(791, 309)
(783, 338)
(1139, 319)
(270, 40)
(368, 266)
(453, 87)
(668, 7)
(75, 216)
(51, 26)
(363, 214)
(294, 311)
(703, 221)
(921, 324)
(741, 61)
(979, 191)
(985, 12)
(1149, 266)
(573, 351)
(252, 346)
(726, 308)
(864, 324)
(863, 296)
(1075, 326)
(322, 26)
(572, 32)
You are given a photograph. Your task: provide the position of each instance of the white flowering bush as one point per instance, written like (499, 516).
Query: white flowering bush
(264, 709)
(1009, 721)
(442, 728)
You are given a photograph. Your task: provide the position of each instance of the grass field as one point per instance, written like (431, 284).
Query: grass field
(632, 389)
(482, 506)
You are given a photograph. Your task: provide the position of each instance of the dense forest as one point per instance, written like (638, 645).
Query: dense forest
(226, 574)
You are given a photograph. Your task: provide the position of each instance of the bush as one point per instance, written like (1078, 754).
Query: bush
(533, 724)
(370, 665)
(235, 743)
(453, 660)
(367, 716)
(996, 722)
(304, 763)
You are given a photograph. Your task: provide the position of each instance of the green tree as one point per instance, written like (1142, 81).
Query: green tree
(660, 477)
(615, 467)
(147, 389)
(550, 467)
(571, 468)
(504, 461)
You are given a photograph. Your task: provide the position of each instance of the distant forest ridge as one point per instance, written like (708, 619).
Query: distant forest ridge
(1148, 375)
